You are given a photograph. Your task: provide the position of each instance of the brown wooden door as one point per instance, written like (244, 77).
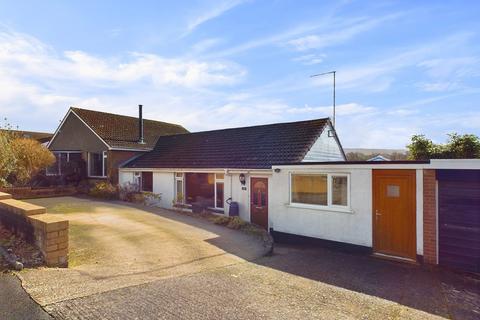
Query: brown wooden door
(394, 211)
(147, 181)
(259, 201)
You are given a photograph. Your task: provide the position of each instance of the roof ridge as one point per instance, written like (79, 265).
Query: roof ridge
(121, 115)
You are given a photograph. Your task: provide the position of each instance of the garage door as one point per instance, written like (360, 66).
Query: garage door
(459, 219)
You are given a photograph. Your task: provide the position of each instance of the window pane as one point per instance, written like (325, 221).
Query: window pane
(96, 160)
(339, 190)
(179, 175)
(199, 187)
(105, 171)
(219, 199)
(309, 189)
(219, 176)
(393, 191)
(179, 191)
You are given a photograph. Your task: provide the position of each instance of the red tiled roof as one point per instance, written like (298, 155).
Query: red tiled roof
(122, 131)
(39, 136)
(247, 147)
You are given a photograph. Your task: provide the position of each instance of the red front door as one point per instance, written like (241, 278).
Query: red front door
(259, 201)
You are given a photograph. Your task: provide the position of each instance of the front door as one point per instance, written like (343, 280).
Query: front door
(394, 211)
(259, 201)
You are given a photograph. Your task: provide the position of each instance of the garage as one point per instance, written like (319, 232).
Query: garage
(459, 219)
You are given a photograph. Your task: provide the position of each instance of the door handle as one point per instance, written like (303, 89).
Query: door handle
(377, 213)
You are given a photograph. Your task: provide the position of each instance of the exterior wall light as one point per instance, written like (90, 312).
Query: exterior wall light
(242, 179)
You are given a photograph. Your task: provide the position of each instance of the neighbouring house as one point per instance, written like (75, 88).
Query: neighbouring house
(97, 143)
(378, 158)
(214, 166)
(42, 137)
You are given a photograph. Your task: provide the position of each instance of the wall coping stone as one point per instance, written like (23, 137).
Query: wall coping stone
(20, 207)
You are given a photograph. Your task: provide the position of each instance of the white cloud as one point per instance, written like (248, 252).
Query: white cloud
(338, 33)
(310, 59)
(37, 81)
(217, 10)
(340, 110)
(205, 45)
(24, 56)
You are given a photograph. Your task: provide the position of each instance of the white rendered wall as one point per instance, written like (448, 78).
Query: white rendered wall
(239, 195)
(164, 184)
(354, 227)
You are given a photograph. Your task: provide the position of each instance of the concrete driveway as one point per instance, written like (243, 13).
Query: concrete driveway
(114, 245)
(136, 263)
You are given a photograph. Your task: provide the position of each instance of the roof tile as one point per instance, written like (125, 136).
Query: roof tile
(247, 147)
(122, 131)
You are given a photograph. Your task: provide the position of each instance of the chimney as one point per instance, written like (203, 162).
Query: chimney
(140, 124)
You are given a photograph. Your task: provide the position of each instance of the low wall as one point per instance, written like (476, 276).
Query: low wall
(32, 193)
(49, 232)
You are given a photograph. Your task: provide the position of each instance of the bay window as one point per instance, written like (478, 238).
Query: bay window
(62, 158)
(320, 190)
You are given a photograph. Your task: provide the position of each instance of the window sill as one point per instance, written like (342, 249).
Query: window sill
(98, 177)
(319, 208)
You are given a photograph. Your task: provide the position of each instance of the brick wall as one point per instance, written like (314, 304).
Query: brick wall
(32, 193)
(115, 159)
(429, 217)
(50, 232)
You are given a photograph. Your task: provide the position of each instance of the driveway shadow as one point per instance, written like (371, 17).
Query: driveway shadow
(438, 292)
(433, 290)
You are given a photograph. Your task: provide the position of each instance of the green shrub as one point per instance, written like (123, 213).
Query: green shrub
(104, 190)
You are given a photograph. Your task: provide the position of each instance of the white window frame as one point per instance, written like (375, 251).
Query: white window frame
(137, 180)
(215, 190)
(182, 179)
(104, 157)
(329, 205)
(59, 164)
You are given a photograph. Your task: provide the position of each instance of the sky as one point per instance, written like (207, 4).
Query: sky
(403, 67)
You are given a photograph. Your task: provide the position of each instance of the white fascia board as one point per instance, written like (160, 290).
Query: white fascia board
(127, 149)
(316, 167)
(458, 164)
(200, 170)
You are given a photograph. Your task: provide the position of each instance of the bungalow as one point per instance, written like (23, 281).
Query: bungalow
(231, 164)
(97, 143)
(293, 180)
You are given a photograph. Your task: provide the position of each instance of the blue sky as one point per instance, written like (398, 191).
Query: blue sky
(403, 67)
